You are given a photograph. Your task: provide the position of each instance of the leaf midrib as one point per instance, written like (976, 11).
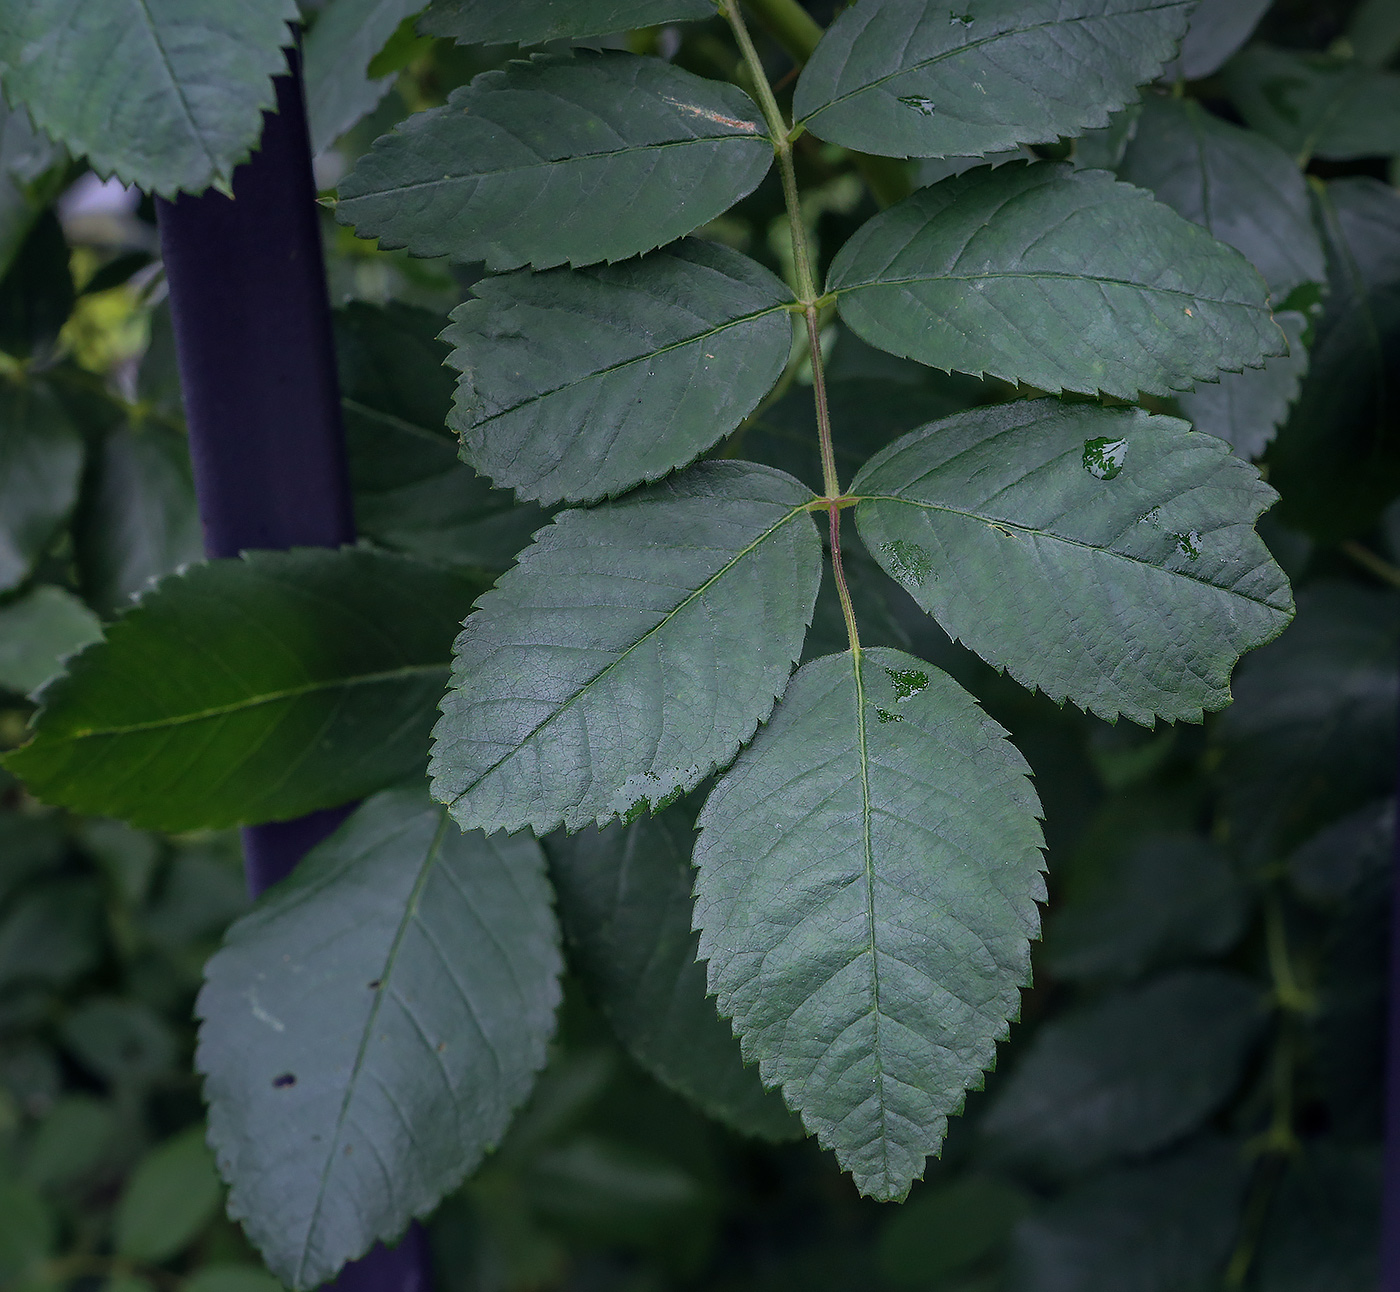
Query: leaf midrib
(1036, 275)
(599, 373)
(977, 44)
(366, 1036)
(145, 8)
(543, 163)
(799, 510)
(255, 701)
(993, 522)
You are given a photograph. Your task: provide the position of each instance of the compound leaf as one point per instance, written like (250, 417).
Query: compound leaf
(630, 653)
(532, 22)
(251, 690)
(625, 904)
(1057, 278)
(1236, 183)
(868, 877)
(597, 156)
(1105, 556)
(581, 383)
(41, 460)
(1317, 105)
(1245, 409)
(911, 79)
(1128, 1074)
(412, 492)
(165, 94)
(370, 1027)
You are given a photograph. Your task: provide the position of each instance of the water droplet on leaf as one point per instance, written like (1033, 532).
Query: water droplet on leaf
(908, 682)
(919, 103)
(886, 716)
(1103, 458)
(908, 562)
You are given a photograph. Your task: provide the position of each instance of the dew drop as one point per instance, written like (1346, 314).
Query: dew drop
(908, 682)
(908, 562)
(1188, 544)
(1103, 459)
(919, 103)
(885, 716)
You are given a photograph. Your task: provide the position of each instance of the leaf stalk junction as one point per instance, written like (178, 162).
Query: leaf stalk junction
(809, 299)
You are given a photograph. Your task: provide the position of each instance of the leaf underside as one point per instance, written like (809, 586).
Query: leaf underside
(251, 690)
(165, 94)
(370, 1028)
(531, 22)
(625, 904)
(909, 79)
(1060, 279)
(868, 877)
(1105, 556)
(629, 653)
(592, 157)
(578, 384)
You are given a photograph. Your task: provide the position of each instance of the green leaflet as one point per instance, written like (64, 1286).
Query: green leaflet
(1311, 734)
(36, 631)
(338, 51)
(1056, 278)
(531, 22)
(1317, 105)
(412, 492)
(1373, 31)
(140, 518)
(909, 79)
(1217, 29)
(946, 1230)
(1126, 1075)
(370, 1027)
(251, 690)
(1337, 458)
(41, 459)
(577, 384)
(172, 1194)
(868, 877)
(167, 94)
(1104, 556)
(1322, 1230)
(625, 904)
(593, 157)
(1234, 182)
(629, 653)
(1168, 1226)
(1245, 409)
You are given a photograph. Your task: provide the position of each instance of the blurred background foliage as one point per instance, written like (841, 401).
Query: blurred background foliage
(1192, 1098)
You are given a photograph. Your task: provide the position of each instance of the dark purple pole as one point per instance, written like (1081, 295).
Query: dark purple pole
(257, 373)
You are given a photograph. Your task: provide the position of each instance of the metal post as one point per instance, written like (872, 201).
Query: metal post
(257, 372)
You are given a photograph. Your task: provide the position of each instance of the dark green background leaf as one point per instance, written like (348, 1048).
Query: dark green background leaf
(251, 690)
(171, 1196)
(1126, 1075)
(625, 905)
(371, 1026)
(531, 22)
(36, 631)
(594, 157)
(41, 458)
